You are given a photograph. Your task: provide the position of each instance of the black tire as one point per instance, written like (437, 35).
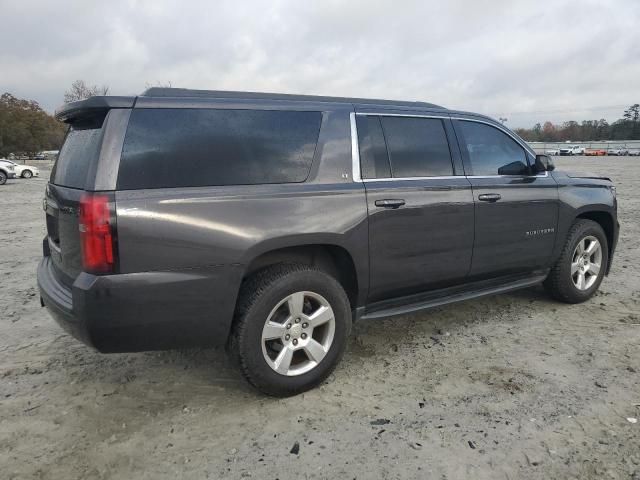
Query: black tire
(3, 178)
(559, 283)
(258, 297)
(27, 174)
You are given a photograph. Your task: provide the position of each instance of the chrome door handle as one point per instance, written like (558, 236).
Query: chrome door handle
(390, 203)
(489, 197)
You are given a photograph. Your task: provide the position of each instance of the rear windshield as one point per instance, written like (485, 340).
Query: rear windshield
(205, 147)
(80, 149)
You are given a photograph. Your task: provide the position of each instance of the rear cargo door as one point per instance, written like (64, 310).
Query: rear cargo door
(68, 181)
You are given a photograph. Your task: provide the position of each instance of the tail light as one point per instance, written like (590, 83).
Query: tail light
(97, 233)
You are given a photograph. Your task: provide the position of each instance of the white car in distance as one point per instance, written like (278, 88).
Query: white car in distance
(24, 171)
(572, 150)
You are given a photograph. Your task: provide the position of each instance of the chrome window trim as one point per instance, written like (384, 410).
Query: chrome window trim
(355, 149)
(403, 179)
(364, 114)
(545, 174)
(450, 177)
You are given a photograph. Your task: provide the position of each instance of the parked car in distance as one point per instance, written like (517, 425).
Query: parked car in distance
(7, 170)
(25, 171)
(634, 152)
(599, 152)
(552, 151)
(618, 150)
(269, 223)
(39, 156)
(572, 150)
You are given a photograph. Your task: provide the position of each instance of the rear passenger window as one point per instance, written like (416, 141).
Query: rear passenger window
(374, 161)
(80, 150)
(491, 151)
(206, 147)
(418, 147)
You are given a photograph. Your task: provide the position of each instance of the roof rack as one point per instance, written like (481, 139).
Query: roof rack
(189, 93)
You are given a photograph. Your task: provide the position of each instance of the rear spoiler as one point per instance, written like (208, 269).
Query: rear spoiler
(91, 107)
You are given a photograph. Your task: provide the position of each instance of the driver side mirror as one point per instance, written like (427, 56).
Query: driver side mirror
(544, 163)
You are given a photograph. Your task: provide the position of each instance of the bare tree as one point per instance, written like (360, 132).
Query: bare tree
(80, 90)
(503, 120)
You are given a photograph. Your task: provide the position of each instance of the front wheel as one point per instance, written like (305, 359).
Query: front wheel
(27, 174)
(291, 328)
(579, 270)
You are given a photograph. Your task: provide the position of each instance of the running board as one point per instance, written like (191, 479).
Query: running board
(423, 301)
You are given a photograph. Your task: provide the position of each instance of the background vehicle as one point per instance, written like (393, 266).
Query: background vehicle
(553, 151)
(572, 150)
(270, 222)
(25, 171)
(6, 170)
(618, 150)
(634, 152)
(598, 152)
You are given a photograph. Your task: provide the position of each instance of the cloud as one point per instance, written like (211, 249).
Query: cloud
(526, 60)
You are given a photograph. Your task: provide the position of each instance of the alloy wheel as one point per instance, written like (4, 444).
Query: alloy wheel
(586, 262)
(298, 333)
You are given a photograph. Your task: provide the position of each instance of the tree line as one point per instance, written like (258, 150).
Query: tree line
(626, 128)
(25, 128)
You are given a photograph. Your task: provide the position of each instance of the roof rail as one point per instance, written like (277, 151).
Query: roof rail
(189, 93)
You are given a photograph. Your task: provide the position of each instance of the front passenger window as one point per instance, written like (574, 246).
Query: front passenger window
(492, 152)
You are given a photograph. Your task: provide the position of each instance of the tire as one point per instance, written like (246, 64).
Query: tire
(3, 178)
(27, 174)
(263, 298)
(564, 285)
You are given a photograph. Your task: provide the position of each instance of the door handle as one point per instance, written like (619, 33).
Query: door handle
(489, 197)
(390, 203)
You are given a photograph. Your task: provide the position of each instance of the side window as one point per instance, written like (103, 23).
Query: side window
(491, 151)
(418, 147)
(374, 161)
(206, 147)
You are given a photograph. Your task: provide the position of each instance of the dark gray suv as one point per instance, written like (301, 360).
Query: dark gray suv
(268, 223)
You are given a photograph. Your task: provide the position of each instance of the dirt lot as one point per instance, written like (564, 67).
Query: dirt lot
(511, 386)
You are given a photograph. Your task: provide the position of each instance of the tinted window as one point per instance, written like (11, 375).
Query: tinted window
(374, 161)
(199, 147)
(417, 147)
(80, 149)
(492, 152)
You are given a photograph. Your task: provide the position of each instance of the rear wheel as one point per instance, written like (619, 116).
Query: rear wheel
(3, 178)
(291, 328)
(579, 271)
(27, 174)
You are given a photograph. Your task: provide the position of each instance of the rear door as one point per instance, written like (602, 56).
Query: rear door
(516, 211)
(69, 177)
(419, 202)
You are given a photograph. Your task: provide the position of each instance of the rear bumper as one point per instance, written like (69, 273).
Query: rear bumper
(144, 311)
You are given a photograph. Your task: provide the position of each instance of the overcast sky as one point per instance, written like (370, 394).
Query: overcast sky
(528, 61)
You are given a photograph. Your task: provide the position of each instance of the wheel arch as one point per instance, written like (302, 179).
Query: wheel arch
(607, 222)
(331, 257)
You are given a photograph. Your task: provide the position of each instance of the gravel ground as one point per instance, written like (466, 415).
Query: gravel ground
(510, 386)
